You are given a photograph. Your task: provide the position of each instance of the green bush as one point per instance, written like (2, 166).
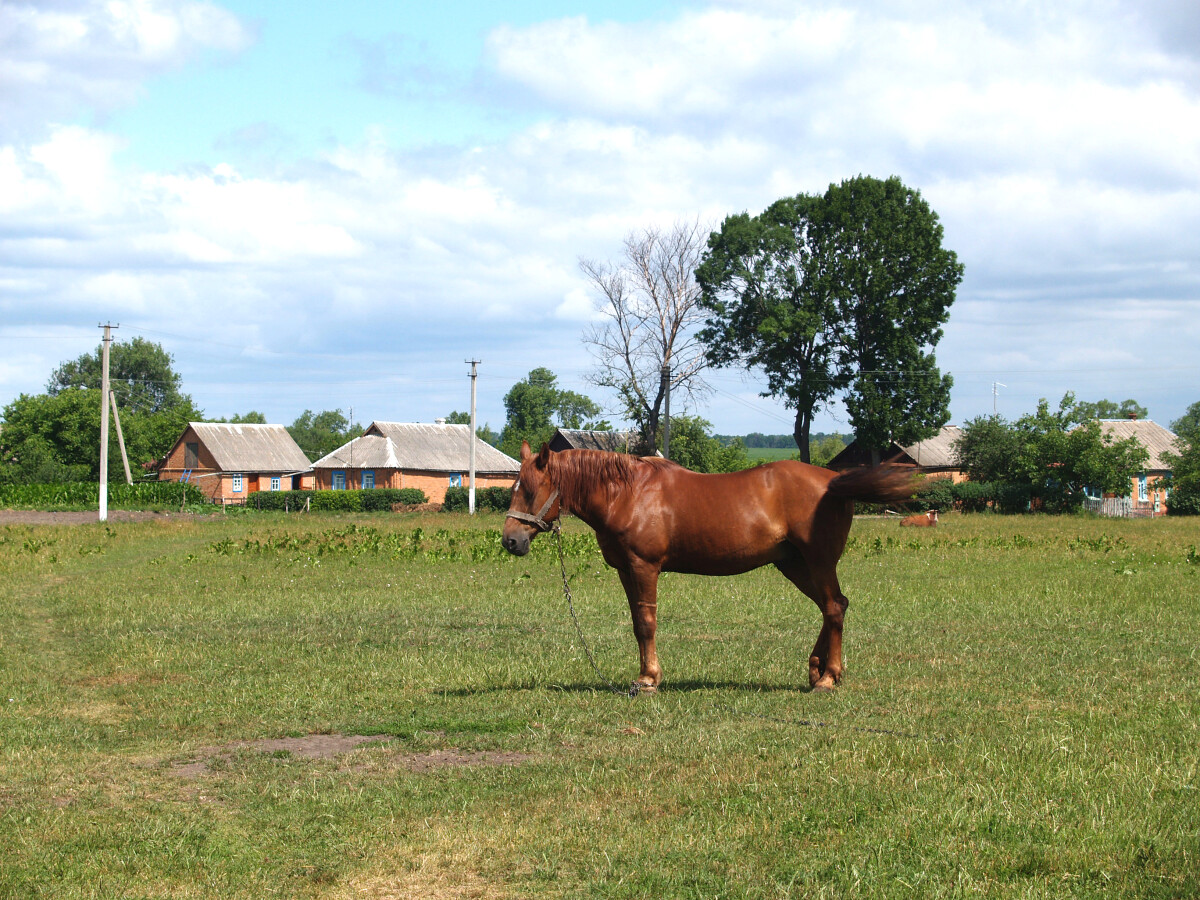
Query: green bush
(82, 495)
(1015, 498)
(1184, 499)
(371, 500)
(974, 496)
(934, 493)
(493, 498)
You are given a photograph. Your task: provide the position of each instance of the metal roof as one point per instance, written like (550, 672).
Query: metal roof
(251, 448)
(619, 441)
(420, 447)
(936, 452)
(1156, 439)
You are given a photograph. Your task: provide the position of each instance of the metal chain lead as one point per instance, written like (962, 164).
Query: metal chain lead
(633, 689)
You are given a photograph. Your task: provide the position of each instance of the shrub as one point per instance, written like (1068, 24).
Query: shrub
(493, 498)
(1185, 497)
(373, 500)
(79, 495)
(1014, 498)
(974, 496)
(935, 493)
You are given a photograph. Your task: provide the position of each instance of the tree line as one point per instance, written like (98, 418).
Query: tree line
(834, 296)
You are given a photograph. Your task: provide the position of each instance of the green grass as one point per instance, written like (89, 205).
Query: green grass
(1019, 716)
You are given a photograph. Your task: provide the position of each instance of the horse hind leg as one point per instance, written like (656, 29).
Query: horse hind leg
(820, 583)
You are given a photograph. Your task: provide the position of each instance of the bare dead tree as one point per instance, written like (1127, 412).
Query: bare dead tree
(651, 304)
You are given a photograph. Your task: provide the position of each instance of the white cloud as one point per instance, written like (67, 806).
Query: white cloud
(1061, 149)
(83, 55)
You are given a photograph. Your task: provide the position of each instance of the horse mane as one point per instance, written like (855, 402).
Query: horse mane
(576, 473)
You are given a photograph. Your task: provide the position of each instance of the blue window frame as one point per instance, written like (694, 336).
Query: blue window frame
(274, 482)
(237, 483)
(368, 479)
(339, 481)
(1142, 496)
(456, 479)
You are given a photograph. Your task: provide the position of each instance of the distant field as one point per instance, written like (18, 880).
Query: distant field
(342, 706)
(769, 454)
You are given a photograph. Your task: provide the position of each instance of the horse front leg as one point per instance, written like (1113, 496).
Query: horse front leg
(641, 587)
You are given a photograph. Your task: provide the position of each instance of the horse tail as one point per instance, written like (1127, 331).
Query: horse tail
(878, 484)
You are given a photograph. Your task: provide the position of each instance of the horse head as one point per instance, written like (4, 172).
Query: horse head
(535, 502)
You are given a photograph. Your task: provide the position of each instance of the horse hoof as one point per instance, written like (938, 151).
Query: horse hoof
(639, 688)
(823, 688)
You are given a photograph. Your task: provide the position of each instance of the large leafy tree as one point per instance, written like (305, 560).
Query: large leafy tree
(1185, 464)
(537, 405)
(320, 433)
(693, 446)
(893, 283)
(56, 435)
(140, 373)
(1050, 452)
(1108, 409)
(843, 293)
(771, 308)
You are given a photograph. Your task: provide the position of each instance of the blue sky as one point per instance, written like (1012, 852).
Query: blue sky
(334, 206)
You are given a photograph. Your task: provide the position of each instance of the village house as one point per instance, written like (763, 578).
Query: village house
(934, 457)
(229, 462)
(432, 458)
(1148, 493)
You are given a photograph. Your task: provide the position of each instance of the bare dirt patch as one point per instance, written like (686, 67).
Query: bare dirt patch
(312, 746)
(330, 746)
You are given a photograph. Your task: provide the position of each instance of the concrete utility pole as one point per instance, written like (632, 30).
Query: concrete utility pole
(474, 363)
(104, 419)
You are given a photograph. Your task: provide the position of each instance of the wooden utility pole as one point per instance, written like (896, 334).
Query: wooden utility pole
(120, 437)
(474, 363)
(104, 419)
(666, 392)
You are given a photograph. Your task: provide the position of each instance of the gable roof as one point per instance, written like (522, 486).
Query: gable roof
(936, 452)
(1157, 440)
(575, 439)
(418, 446)
(250, 448)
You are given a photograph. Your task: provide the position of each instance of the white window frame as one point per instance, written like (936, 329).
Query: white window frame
(276, 483)
(236, 482)
(456, 479)
(339, 475)
(363, 479)
(1143, 496)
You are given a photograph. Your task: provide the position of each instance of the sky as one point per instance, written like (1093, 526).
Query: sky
(335, 206)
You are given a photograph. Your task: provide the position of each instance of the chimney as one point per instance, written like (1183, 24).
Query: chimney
(1132, 417)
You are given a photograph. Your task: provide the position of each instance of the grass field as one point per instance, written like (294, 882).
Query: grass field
(183, 706)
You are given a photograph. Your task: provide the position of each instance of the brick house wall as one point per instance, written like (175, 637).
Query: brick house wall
(216, 485)
(434, 484)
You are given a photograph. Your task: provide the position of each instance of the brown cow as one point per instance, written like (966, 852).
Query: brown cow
(924, 520)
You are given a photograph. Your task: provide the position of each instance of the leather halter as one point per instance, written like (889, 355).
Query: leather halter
(538, 521)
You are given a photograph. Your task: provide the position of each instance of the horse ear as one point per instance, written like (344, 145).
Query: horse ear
(526, 451)
(543, 456)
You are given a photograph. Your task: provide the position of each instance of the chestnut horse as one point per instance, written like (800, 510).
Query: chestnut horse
(652, 515)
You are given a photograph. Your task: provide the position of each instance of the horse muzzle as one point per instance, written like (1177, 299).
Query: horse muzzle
(515, 541)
